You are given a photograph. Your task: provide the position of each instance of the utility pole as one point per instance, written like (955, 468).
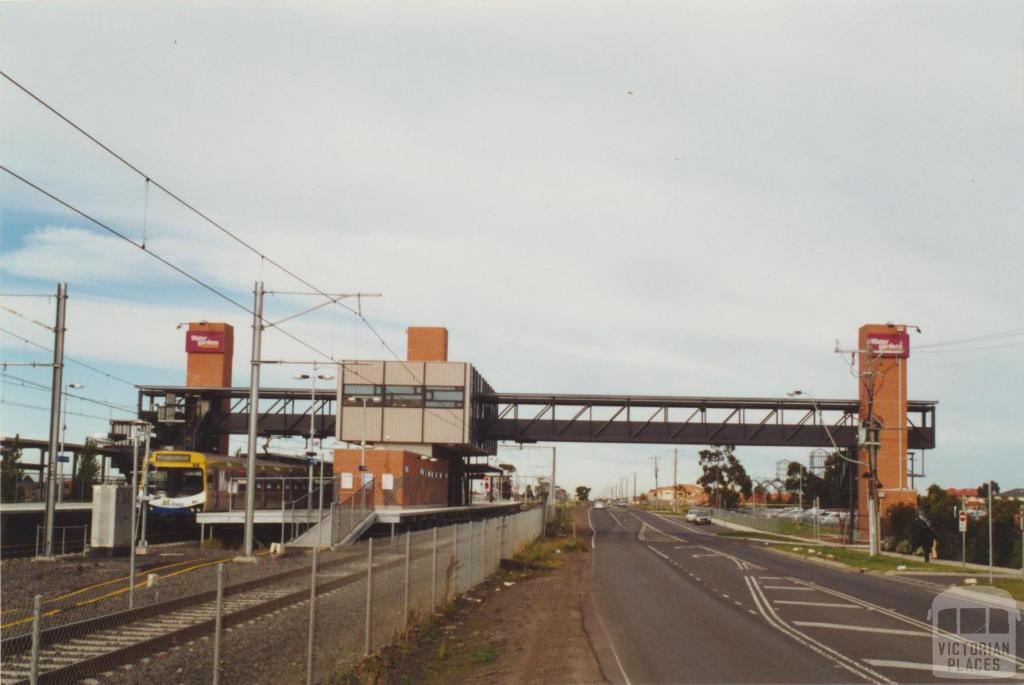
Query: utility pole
(675, 480)
(55, 398)
(634, 487)
(254, 398)
(655, 460)
(990, 513)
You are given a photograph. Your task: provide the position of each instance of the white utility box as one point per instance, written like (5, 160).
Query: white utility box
(111, 517)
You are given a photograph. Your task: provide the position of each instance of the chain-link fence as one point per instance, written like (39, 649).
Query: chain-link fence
(302, 617)
(809, 524)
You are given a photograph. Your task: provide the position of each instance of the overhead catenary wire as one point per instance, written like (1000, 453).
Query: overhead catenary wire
(27, 318)
(23, 405)
(32, 385)
(980, 338)
(67, 358)
(195, 279)
(231, 234)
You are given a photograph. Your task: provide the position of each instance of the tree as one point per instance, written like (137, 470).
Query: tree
(983, 489)
(11, 472)
(724, 478)
(582, 493)
(831, 488)
(88, 470)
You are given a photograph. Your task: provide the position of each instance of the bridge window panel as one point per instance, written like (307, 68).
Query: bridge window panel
(403, 396)
(354, 394)
(444, 397)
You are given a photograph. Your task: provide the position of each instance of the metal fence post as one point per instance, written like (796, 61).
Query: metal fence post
(282, 516)
(37, 540)
(483, 550)
(37, 617)
(405, 600)
(63, 539)
(471, 576)
(433, 572)
(85, 538)
(312, 618)
(455, 556)
(369, 593)
(217, 623)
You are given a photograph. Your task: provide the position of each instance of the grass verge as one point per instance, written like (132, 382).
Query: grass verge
(754, 535)
(435, 648)
(862, 560)
(1014, 587)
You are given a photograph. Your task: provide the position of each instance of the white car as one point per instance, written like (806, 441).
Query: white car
(698, 516)
(599, 504)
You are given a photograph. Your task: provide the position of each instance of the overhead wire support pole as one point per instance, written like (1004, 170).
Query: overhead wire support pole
(55, 400)
(254, 398)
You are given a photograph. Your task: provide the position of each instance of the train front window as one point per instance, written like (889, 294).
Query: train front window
(176, 482)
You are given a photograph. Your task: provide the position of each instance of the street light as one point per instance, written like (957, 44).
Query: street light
(310, 452)
(63, 438)
(376, 399)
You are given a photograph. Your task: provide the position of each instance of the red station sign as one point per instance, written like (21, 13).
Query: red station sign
(204, 342)
(889, 344)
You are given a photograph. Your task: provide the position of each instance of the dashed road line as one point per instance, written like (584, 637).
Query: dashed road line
(862, 629)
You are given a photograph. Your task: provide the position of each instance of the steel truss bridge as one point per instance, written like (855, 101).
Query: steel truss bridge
(192, 417)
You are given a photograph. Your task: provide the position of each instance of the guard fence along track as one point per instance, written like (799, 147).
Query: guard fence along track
(71, 652)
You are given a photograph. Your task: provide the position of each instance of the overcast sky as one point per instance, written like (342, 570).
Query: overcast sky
(680, 198)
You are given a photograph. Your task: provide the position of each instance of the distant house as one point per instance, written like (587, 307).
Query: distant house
(1015, 493)
(969, 496)
(689, 494)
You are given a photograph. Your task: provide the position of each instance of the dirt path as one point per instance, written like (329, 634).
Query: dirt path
(528, 632)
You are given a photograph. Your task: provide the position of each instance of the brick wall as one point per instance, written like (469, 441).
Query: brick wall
(415, 481)
(427, 344)
(212, 369)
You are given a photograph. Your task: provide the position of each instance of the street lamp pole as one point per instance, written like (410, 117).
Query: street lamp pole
(63, 438)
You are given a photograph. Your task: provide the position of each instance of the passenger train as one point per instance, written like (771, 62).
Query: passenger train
(181, 482)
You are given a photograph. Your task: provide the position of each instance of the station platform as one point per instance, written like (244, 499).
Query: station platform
(398, 514)
(40, 507)
(260, 516)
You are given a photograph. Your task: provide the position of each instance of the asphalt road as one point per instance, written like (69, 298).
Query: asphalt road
(672, 602)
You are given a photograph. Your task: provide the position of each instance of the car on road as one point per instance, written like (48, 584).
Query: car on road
(698, 516)
(599, 504)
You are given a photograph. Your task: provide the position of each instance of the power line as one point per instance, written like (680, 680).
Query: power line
(32, 385)
(47, 409)
(156, 256)
(972, 349)
(980, 338)
(68, 359)
(184, 203)
(27, 318)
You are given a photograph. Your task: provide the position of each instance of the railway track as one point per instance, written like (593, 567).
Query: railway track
(75, 651)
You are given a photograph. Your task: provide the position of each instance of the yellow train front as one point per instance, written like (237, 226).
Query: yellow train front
(185, 483)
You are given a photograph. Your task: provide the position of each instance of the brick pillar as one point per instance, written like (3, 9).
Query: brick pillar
(210, 348)
(427, 344)
(883, 355)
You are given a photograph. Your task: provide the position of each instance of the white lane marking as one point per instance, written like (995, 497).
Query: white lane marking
(863, 629)
(593, 531)
(614, 518)
(770, 578)
(787, 587)
(597, 612)
(894, 614)
(888, 663)
(682, 525)
(663, 556)
(841, 660)
(830, 605)
(740, 563)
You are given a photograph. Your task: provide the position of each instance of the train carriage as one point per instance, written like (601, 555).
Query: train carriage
(182, 482)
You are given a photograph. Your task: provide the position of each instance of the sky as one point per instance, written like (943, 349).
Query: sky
(675, 198)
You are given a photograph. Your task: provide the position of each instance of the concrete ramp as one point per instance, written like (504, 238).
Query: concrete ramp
(326, 533)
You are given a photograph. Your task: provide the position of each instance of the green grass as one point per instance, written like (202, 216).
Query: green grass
(486, 655)
(1014, 587)
(860, 559)
(753, 535)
